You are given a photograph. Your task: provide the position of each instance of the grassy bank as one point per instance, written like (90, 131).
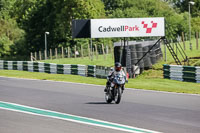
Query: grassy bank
(190, 53)
(109, 61)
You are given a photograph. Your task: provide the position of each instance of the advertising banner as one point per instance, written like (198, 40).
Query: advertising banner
(127, 27)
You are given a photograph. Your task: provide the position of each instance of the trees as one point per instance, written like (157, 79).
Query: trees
(196, 24)
(183, 5)
(175, 23)
(55, 17)
(10, 33)
(24, 22)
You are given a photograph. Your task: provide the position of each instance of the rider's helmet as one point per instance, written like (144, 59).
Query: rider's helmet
(118, 66)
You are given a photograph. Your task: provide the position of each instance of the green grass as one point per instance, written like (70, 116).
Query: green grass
(197, 63)
(54, 77)
(149, 80)
(152, 80)
(109, 61)
(190, 53)
(145, 81)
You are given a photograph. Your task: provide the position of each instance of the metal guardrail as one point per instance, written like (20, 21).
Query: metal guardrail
(182, 73)
(52, 68)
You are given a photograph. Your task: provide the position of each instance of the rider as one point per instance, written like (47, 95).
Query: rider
(118, 70)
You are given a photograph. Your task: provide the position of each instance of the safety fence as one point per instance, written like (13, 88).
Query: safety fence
(182, 73)
(52, 68)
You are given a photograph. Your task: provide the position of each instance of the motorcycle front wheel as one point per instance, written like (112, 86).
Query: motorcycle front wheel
(118, 95)
(108, 96)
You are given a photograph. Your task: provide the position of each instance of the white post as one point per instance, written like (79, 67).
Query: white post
(45, 34)
(192, 3)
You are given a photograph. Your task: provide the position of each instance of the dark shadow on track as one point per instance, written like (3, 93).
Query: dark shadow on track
(98, 103)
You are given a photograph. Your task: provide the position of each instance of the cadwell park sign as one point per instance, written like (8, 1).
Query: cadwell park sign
(118, 27)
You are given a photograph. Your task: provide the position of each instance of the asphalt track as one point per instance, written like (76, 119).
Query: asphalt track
(157, 111)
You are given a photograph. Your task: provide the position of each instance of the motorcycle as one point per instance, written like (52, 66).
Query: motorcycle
(115, 90)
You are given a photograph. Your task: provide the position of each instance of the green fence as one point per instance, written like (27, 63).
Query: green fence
(52, 68)
(182, 73)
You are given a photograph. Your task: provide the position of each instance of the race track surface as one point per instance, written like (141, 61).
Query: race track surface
(157, 111)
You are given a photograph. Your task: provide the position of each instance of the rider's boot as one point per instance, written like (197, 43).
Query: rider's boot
(107, 85)
(122, 89)
(106, 89)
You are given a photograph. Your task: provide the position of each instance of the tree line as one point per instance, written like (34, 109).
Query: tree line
(24, 22)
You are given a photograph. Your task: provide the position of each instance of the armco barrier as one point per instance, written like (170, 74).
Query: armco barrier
(52, 68)
(67, 69)
(182, 73)
(102, 72)
(1, 64)
(91, 71)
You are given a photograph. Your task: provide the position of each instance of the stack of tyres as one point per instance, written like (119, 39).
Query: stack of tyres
(117, 53)
(133, 51)
(152, 55)
(147, 61)
(158, 52)
(128, 61)
(139, 56)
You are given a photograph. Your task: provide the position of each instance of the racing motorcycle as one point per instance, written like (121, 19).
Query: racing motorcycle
(115, 90)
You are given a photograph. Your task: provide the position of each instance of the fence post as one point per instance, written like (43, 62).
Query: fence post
(111, 51)
(183, 40)
(45, 54)
(62, 52)
(107, 51)
(197, 41)
(68, 52)
(96, 51)
(165, 53)
(103, 51)
(75, 51)
(35, 55)
(56, 51)
(93, 52)
(51, 54)
(31, 56)
(81, 51)
(89, 51)
(40, 56)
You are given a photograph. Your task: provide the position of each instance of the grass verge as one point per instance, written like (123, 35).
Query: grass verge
(148, 81)
(100, 61)
(109, 60)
